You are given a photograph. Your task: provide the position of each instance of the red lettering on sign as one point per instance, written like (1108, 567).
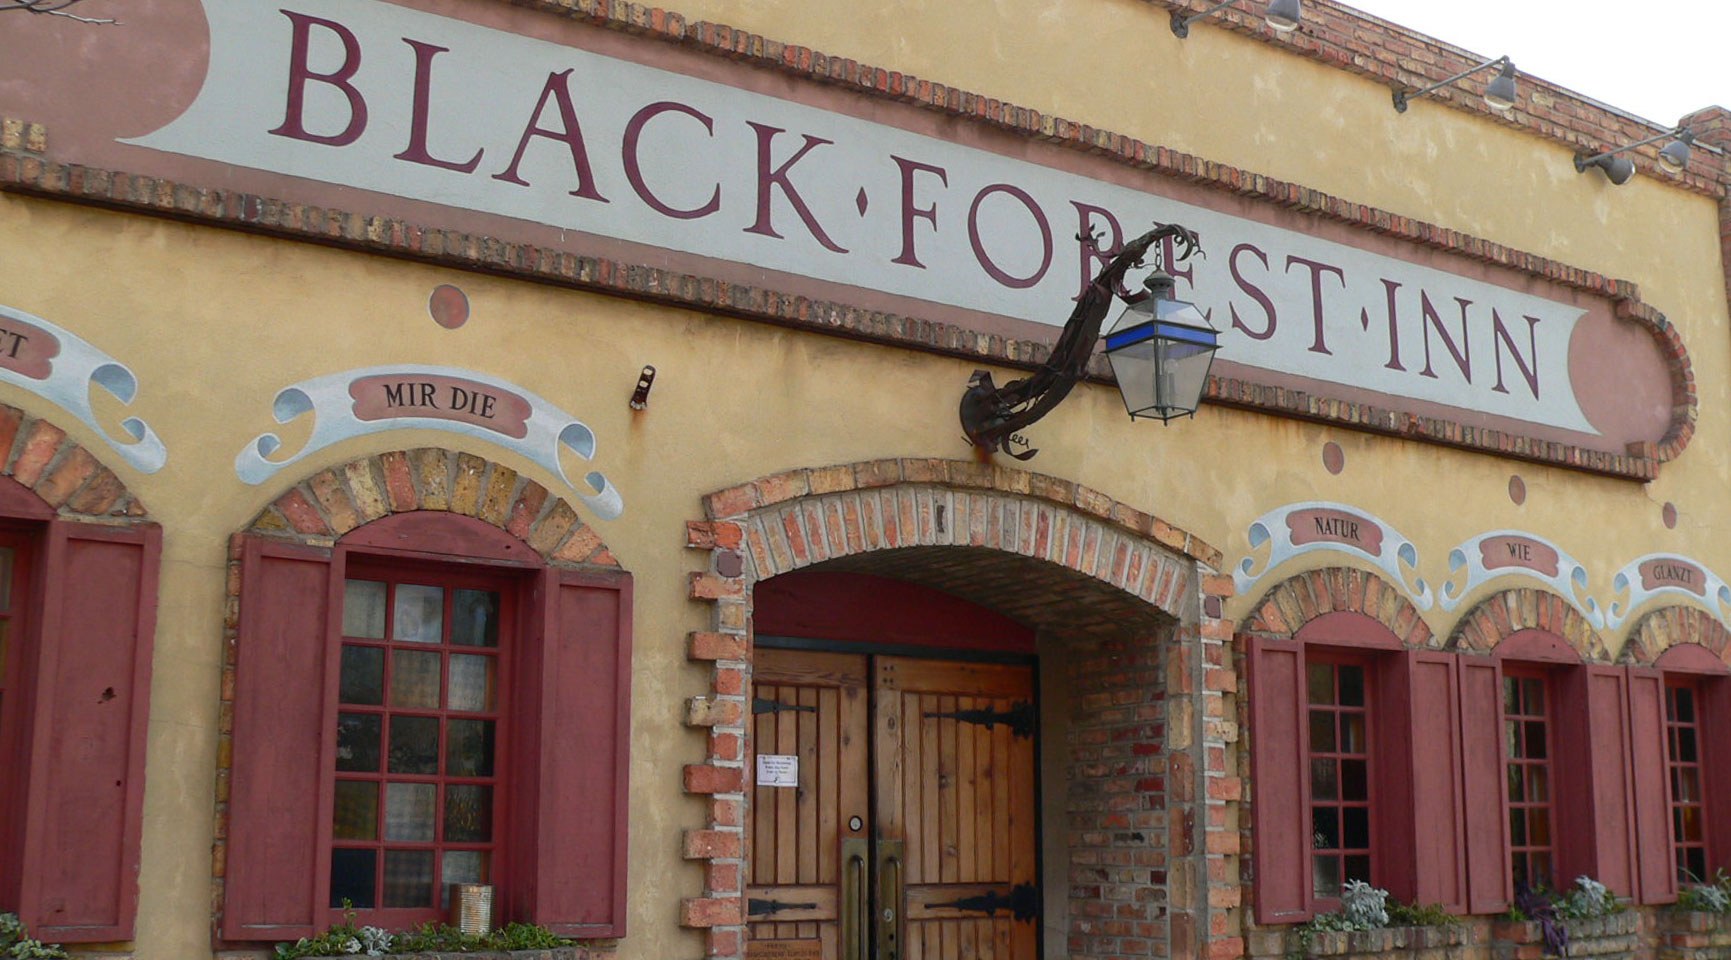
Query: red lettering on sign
(910, 212)
(768, 177)
(406, 395)
(1671, 572)
(417, 151)
(293, 124)
(1432, 321)
(1099, 253)
(1254, 291)
(993, 270)
(27, 350)
(1322, 525)
(557, 89)
(1317, 269)
(634, 169)
(1525, 553)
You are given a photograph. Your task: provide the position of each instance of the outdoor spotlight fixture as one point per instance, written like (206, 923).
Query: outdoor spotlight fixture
(1282, 15)
(1674, 156)
(1160, 350)
(1499, 93)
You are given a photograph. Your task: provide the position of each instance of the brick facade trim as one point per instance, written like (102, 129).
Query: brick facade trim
(1667, 627)
(323, 506)
(1334, 35)
(69, 478)
(1299, 599)
(785, 521)
(1504, 614)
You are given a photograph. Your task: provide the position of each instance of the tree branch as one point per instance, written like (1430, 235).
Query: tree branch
(52, 8)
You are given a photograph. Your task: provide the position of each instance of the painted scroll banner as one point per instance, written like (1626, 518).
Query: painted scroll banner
(61, 367)
(1660, 573)
(1503, 552)
(1300, 528)
(356, 403)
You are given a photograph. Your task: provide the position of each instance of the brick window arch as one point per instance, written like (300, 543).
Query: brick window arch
(429, 670)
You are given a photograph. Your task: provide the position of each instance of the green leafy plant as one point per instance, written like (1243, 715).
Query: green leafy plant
(1364, 907)
(1414, 915)
(1549, 909)
(346, 939)
(1712, 897)
(16, 944)
(1587, 900)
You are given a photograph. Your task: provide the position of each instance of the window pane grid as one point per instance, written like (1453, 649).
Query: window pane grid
(1527, 752)
(1340, 776)
(416, 804)
(1683, 766)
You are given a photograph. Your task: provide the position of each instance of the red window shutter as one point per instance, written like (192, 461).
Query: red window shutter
(1278, 750)
(570, 776)
(1610, 822)
(1484, 784)
(1714, 713)
(83, 814)
(1655, 867)
(1434, 736)
(279, 785)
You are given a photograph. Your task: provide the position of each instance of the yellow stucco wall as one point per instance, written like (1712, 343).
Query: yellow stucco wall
(215, 322)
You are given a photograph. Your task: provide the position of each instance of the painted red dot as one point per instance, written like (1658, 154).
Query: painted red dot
(1670, 515)
(1333, 458)
(1517, 490)
(449, 306)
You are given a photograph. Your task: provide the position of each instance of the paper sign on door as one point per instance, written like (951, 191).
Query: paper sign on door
(777, 770)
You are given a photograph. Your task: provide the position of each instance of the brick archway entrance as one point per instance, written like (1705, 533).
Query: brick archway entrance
(1132, 603)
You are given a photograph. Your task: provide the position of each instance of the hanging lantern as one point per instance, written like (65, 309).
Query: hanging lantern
(1161, 350)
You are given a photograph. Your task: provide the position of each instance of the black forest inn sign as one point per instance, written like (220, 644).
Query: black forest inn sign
(653, 154)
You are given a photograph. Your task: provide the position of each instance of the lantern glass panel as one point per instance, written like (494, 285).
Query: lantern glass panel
(1161, 352)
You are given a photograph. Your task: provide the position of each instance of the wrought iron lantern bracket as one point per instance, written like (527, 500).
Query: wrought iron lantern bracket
(991, 415)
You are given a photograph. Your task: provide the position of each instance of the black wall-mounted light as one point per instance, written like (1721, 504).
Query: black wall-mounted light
(1282, 15)
(640, 395)
(1160, 350)
(1499, 94)
(1674, 156)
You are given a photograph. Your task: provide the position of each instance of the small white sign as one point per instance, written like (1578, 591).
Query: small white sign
(777, 770)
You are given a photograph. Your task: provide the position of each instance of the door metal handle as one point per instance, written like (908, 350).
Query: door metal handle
(855, 901)
(892, 900)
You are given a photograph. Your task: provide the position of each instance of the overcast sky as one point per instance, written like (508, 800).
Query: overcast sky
(1654, 59)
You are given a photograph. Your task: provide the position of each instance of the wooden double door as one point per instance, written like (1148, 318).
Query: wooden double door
(907, 830)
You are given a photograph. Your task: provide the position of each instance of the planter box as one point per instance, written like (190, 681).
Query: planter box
(557, 953)
(1692, 935)
(1448, 942)
(1615, 937)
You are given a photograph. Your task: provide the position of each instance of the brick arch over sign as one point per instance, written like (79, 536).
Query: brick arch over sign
(70, 480)
(929, 518)
(1668, 627)
(325, 505)
(1504, 614)
(1305, 597)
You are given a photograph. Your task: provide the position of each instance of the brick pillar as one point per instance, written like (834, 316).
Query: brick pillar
(722, 776)
(1203, 787)
(1116, 799)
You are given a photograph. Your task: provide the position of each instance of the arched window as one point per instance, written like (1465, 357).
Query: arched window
(428, 702)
